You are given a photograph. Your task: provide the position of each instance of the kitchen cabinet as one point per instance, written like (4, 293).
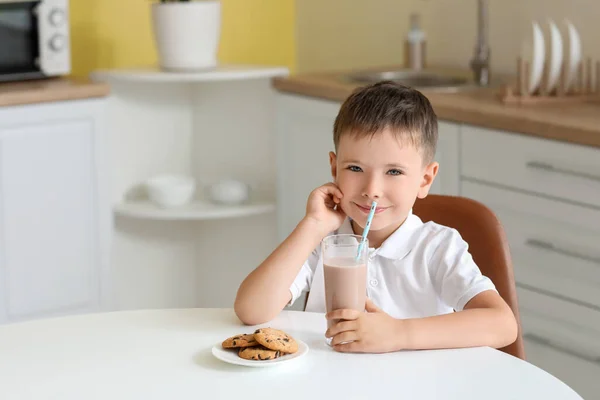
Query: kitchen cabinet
(545, 198)
(54, 219)
(304, 140)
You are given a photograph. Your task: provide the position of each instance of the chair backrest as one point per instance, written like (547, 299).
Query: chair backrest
(484, 234)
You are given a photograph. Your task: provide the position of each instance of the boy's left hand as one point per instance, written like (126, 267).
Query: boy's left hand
(373, 331)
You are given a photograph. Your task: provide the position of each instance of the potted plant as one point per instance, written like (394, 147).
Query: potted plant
(187, 33)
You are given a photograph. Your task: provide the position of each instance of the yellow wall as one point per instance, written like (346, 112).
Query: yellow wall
(118, 34)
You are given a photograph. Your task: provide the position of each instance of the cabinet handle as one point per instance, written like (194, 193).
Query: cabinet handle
(551, 168)
(540, 244)
(545, 342)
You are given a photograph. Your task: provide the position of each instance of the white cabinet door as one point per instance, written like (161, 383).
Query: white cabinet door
(448, 179)
(53, 221)
(304, 140)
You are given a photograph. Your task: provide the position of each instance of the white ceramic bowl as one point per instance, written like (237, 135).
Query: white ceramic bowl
(170, 190)
(229, 191)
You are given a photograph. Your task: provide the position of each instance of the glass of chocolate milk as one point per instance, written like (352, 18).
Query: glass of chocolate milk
(345, 274)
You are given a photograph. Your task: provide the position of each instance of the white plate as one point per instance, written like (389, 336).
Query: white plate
(574, 54)
(533, 51)
(231, 357)
(555, 56)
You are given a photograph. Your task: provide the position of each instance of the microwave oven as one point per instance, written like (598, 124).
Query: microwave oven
(34, 39)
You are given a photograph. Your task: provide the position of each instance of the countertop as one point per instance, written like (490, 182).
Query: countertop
(574, 122)
(50, 90)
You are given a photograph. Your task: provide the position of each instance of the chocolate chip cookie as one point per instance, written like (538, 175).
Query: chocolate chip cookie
(275, 339)
(240, 341)
(258, 353)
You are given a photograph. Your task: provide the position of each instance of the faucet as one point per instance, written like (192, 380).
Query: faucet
(480, 64)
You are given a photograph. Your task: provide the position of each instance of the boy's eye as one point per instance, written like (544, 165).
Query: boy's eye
(354, 168)
(394, 172)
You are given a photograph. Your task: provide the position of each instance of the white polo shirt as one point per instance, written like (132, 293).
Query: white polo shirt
(422, 269)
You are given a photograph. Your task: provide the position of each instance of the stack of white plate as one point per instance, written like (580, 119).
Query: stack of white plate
(548, 49)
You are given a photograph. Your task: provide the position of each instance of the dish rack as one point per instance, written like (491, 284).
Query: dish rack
(585, 86)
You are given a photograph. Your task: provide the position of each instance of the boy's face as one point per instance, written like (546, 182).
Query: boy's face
(381, 169)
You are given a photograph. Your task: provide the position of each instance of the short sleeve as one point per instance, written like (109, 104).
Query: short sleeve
(305, 276)
(456, 276)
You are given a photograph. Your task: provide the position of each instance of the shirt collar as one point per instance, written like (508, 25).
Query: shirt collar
(399, 243)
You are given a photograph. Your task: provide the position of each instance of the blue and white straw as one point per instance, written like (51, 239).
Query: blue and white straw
(367, 227)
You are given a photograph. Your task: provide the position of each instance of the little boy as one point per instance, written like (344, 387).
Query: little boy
(423, 289)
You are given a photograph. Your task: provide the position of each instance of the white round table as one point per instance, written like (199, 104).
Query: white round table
(166, 354)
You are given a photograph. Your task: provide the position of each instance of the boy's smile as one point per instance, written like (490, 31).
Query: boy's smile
(367, 209)
(380, 168)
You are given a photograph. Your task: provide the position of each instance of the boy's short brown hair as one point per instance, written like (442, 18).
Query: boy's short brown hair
(406, 111)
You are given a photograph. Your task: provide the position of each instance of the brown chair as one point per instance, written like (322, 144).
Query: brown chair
(485, 236)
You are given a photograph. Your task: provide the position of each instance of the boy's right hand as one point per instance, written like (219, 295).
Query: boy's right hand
(323, 207)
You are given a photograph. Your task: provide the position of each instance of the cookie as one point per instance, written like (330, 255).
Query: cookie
(275, 339)
(240, 341)
(258, 353)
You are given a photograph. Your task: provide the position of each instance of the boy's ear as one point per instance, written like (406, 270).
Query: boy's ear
(332, 162)
(429, 175)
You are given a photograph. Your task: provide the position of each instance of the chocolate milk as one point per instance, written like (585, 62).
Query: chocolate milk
(345, 285)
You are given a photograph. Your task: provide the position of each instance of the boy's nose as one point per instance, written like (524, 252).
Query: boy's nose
(372, 190)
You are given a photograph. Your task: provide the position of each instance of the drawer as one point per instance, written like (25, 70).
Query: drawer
(556, 334)
(570, 326)
(580, 375)
(566, 171)
(554, 245)
(570, 354)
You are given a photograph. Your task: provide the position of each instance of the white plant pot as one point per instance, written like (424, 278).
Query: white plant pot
(187, 34)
